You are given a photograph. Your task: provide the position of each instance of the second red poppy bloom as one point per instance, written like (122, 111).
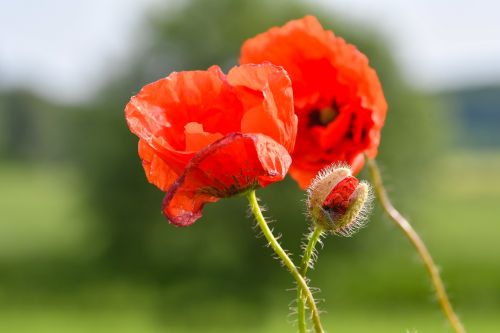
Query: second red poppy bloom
(337, 95)
(204, 135)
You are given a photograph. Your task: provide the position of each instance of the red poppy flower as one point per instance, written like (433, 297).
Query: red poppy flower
(337, 95)
(204, 135)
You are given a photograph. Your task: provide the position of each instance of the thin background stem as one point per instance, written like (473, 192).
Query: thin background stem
(301, 282)
(313, 239)
(419, 245)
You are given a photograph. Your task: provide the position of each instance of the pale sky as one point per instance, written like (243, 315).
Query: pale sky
(64, 48)
(438, 44)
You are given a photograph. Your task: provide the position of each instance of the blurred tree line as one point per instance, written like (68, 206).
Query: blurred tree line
(478, 111)
(93, 138)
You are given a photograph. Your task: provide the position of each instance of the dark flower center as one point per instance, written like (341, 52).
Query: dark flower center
(322, 117)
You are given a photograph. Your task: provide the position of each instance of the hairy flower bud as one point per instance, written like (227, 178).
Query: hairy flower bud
(337, 201)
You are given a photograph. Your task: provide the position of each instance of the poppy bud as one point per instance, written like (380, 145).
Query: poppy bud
(337, 201)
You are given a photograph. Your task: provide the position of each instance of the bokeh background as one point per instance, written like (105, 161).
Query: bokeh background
(83, 246)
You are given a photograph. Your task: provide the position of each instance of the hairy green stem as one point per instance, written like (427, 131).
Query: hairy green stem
(419, 245)
(273, 242)
(307, 257)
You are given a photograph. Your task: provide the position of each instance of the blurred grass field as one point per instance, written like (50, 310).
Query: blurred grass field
(84, 247)
(131, 320)
(459, 222)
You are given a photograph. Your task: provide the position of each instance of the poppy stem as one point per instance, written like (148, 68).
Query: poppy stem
(307, 258)
(419, 245)
(273, 242)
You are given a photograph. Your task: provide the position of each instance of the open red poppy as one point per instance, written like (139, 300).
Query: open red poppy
(338, 97)
(204, 135)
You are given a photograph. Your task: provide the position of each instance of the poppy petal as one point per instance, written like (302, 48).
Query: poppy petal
(197, 138)
(266, 93)
(300, 47)
(158, 172)
(303, 176)
(326, 73)
(232, 165)
(159, 113)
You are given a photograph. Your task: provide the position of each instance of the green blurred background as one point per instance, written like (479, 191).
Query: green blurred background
(83, 246)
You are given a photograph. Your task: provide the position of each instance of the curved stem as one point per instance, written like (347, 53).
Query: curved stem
(273, 242)
(313, 237)
(419, 245)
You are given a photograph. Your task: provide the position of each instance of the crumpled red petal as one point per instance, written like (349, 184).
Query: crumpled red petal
(176, 116)
(326, 72)
(157, 170)
(266, 93)
(337, 200)
(179, 115)
(232, 165)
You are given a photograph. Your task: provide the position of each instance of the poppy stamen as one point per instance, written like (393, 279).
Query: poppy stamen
(323, 117)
